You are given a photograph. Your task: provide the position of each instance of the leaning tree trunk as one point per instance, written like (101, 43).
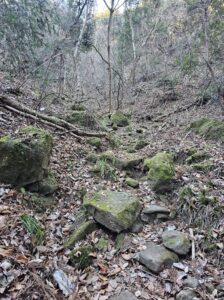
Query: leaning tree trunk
(50, 120)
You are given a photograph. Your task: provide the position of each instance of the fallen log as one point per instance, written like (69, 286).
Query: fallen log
(18, 108)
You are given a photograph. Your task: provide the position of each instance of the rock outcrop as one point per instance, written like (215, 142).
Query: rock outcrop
(115, 210)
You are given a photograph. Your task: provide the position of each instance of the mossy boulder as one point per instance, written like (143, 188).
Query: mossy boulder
(141, 144)
(80, 233)
(115, 210)
(132, 182)
(176, 241)
(94, 141)
(48, 185)
(24, 159)
(120, 119)
(160, 171)
(81, 257)
(82, 118)
(78, 107)
(209, 128)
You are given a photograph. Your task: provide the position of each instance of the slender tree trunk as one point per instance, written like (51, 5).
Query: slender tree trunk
(109, 55)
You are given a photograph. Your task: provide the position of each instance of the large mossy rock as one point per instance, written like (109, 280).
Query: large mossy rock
(47, 186)
(120, 119)
(115, 210)
(209, 128)
(24, 159)
(161, 171)
(82, 118)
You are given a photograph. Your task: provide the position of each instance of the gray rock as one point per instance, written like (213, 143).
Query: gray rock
(186, 294)
(152, 212)
(137, 226)
(115, 210)
(124, 295)
(191, 282)
(156, 257)
(176, 241)
(151, 209)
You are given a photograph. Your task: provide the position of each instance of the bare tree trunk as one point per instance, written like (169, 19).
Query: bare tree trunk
(109, 54)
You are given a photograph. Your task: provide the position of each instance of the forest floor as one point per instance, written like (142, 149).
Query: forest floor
(26, 271)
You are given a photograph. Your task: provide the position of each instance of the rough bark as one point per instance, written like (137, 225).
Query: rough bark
(56, 122)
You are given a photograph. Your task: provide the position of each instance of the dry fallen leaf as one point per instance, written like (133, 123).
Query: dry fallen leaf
(6, 252)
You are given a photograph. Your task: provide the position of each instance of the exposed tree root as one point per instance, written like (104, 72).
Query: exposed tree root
(18, 108)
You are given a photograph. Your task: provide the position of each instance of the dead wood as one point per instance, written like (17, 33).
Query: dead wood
(18, 108)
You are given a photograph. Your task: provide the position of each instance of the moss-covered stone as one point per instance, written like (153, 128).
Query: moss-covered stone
(141, 144)
(209, 128)
(94, 141)
(80, 233)
(161, 171)
(132, 182)
(115, 210)
(78, 107)
(102, 244)
(82, 118)
(104, 170)
(119, 119)
(48, 185)
(81, 258)
(119, 241)
(25, 159)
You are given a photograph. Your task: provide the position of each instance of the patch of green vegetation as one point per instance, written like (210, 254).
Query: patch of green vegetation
(209, 128)
(81, 258)
(141, 144)
(80, 233)
(120, 119)
(132, 182)
(78, 107)
(198, 208)
(102, 244)
(94, 141)
(104, 169)
(33, 228)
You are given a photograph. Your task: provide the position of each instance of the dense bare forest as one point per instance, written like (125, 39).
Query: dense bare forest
(112, 149)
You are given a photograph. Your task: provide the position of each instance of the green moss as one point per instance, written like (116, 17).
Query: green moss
(209, 128)
(104, 169)
(119, 242)
(140, 144)
(203, 166)
(160, 167)
(81, 118)
(120, 119)
(102, 244)
(25, 159)
(132, 182)
(81, 258)
(197, 157)
(33, 228)
(78, 107)
(118, 210)
(80, 233)
(94, 141)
